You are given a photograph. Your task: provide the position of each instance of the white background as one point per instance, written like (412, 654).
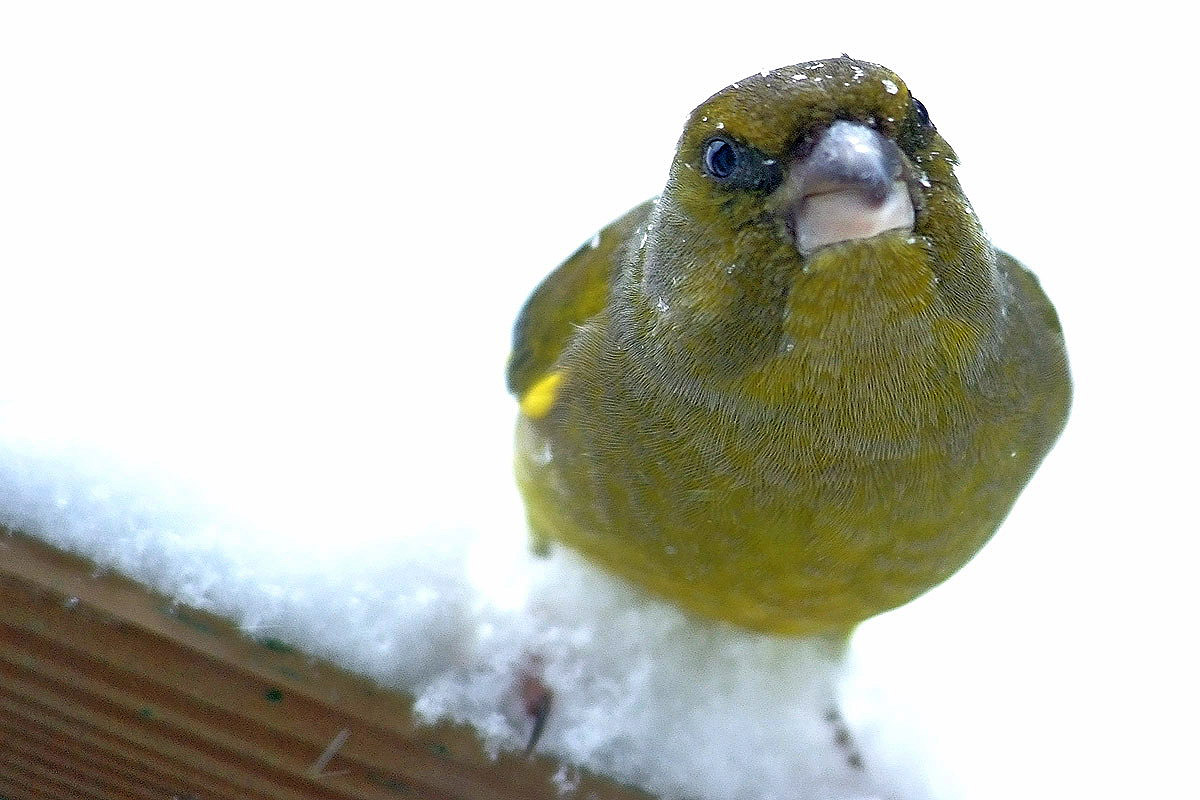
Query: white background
(236, 238)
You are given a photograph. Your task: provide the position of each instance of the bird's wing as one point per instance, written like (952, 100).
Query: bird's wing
(1027, 283)
(568, 297)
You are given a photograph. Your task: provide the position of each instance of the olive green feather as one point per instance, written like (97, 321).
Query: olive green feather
(568, 297)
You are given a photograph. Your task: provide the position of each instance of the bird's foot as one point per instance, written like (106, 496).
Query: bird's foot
(536, 701)
(843, 739)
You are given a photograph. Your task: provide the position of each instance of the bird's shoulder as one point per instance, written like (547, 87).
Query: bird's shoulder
(1030, 292)
(569, 296)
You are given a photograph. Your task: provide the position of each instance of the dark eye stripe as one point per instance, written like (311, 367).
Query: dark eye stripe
(735, 165)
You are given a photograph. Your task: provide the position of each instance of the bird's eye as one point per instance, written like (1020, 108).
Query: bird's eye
(921, 113)
(720, 158)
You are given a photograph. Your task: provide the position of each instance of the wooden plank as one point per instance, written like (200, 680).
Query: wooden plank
(70, 755)
(170, 744)
(212, 712)
(57, 760)
(176, 772)
(149, 703)
(51, 779)
(69, 750)
(11, 789)
(153, 664)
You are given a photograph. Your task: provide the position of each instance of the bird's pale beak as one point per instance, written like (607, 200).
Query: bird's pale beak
(850, 185)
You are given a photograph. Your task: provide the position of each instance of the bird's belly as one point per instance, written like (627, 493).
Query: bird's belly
(816, 547)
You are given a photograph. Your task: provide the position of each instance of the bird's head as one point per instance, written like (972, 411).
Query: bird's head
(823, 182)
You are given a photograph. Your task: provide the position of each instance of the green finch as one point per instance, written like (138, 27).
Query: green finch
(800, 387)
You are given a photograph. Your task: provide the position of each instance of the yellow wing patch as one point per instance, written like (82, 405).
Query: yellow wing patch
(537, 402)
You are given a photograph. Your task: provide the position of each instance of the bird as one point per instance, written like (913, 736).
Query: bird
(800, 387)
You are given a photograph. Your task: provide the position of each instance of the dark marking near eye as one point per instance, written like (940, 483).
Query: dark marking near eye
(735, 165)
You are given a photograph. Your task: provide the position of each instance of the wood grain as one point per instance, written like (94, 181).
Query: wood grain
(110, 691)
